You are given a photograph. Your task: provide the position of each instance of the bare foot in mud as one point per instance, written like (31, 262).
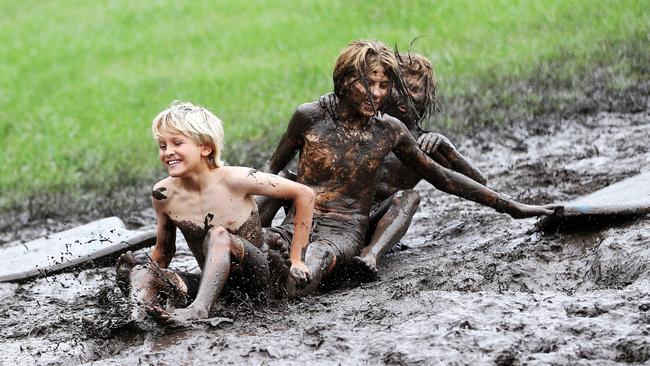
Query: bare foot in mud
(366, 267)
(279, 263)
(125, 264)
(177, 317)
(278, 253)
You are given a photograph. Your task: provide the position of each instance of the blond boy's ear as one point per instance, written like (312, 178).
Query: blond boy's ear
(206, 150)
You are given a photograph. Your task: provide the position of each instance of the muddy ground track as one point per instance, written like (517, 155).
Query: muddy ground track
(466, 285)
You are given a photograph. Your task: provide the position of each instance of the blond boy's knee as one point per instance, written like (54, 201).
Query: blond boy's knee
(219, 235)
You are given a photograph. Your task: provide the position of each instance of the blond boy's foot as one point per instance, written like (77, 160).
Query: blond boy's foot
(177, 317)
(125, 264)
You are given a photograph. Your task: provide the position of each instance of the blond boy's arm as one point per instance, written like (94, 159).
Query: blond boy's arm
(165, 247)
(253, 182)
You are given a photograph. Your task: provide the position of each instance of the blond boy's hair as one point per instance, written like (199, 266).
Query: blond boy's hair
(195, 122)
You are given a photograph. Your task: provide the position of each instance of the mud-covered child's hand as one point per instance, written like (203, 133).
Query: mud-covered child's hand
(431, 142)
(300, 273)
(520, 210)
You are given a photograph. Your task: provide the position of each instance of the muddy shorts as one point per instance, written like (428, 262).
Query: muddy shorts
(343, 236)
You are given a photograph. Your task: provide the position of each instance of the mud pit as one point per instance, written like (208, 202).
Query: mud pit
(468, 285)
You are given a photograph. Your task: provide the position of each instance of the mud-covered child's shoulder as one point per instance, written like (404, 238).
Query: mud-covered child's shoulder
(310, 112)
(390, 122)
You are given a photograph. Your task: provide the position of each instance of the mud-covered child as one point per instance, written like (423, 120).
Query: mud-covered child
(341, 149)
(213, 206)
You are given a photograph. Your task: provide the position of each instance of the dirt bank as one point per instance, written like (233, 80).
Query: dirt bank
(468, 285)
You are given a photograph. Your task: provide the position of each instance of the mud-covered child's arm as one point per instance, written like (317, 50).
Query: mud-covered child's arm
(165, 247)
(440, 149)
(457, 184)
(290, 142)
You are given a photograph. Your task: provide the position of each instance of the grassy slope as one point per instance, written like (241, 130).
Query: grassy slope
(80, 82)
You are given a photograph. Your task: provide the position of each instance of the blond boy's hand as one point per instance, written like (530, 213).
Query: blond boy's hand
(300, 273)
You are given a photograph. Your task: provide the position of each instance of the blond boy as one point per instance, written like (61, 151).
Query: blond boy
(214, 208)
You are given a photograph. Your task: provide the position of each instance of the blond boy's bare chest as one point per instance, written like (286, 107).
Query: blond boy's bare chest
(217, 206)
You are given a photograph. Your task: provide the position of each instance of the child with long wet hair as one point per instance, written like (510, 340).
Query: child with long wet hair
(213, 206)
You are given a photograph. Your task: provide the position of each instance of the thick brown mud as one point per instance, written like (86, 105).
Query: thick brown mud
(466, 286)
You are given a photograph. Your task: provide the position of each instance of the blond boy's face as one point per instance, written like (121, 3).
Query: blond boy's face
(180, 154)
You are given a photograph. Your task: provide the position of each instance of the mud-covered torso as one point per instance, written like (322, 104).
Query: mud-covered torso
(251, 229)
(194, 234)
(341, 162)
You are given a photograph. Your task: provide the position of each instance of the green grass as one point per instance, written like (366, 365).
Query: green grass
(80, 81)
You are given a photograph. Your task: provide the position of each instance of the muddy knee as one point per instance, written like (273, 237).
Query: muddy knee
(319, 258)
(219, 238)
(406, 198)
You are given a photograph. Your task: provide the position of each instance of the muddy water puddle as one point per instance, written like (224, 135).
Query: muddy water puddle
(467, 285)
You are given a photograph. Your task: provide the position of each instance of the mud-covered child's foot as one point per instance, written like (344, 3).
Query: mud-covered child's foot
(365, 267)
(278, 253)
(125, 264)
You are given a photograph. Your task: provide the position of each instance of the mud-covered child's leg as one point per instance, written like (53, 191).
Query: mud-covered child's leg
(148, 285)
(376, 214)
(388, 232)
(254, 274)
(217, 248)
(320, 260)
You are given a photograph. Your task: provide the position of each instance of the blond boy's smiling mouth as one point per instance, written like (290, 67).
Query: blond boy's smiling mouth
(172, 163)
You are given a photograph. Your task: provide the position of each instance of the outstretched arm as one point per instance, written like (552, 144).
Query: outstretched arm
(440, 149)
(457, 184)
(258, 183)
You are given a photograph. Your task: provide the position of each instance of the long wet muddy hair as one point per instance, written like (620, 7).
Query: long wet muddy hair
(414, 64)
(195, 122)
(357, 59)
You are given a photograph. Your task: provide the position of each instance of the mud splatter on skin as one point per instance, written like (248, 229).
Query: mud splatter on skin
(158, 193)
(251, 230)
(267, 181)
(206, 222)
